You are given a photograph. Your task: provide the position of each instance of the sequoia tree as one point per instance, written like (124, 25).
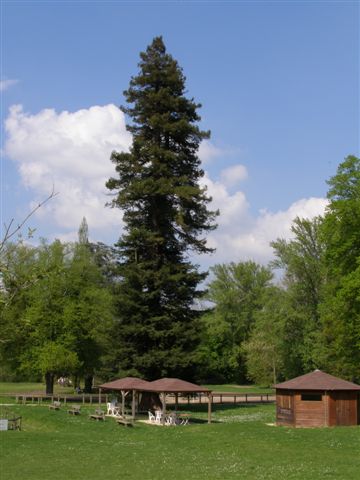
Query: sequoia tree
(166, 216)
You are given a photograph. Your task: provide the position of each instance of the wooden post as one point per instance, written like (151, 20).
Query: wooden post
(123, 395)
(326, 406)
(163, 396)
(99, 397)
(133, 404)
(176, 402)
(209, 407)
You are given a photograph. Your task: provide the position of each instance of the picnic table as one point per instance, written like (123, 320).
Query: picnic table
(184, 418)
(55, 405)
(98, 415)
(14, 423)
(127, 422)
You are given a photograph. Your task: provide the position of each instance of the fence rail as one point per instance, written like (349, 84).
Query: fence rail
(217, 398)
(65, 398)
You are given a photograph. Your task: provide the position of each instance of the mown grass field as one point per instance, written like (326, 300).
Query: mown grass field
(28, 387)
(238, 445)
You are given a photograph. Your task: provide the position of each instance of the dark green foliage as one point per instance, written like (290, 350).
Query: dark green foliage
(165, 215)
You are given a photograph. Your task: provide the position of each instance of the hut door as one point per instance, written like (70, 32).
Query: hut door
(343, 411)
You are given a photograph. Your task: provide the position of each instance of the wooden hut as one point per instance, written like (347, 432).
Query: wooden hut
(317, 399)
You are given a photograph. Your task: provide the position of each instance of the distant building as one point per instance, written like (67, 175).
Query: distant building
(317, 399)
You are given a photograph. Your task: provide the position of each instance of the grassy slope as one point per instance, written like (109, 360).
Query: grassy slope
(56, 446)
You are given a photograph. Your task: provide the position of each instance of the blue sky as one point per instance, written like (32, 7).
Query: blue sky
(278, 81)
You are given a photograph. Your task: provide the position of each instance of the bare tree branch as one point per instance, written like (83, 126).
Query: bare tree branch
(11, 230)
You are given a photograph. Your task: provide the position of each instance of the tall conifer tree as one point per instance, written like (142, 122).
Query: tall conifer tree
(166, 217)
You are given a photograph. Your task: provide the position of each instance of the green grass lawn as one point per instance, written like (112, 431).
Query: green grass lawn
(240, 388)
(28, 387)
(238, 445)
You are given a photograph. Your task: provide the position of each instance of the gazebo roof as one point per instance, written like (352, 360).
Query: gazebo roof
(173, 385)
(317, 380)
(127, 383)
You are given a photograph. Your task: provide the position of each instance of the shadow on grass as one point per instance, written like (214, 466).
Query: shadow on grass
(203, 408)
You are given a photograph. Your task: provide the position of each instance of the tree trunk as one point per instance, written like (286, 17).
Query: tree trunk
(88, 384)
(49, 380)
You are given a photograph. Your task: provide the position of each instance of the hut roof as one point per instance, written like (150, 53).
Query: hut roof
(174, 385)
(317, 380)
(127, 383)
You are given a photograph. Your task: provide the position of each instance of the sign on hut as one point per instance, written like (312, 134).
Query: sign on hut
(317, 399)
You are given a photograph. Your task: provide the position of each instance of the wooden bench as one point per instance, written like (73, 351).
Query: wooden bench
(55, 405)
(75, 410)
(127, 422)
(98, 415)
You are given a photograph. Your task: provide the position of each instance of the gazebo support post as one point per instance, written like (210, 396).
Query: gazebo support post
(209, 407)
(123, 395)
(133, 404)
(163, 400)
(176, 401)
(99, 397)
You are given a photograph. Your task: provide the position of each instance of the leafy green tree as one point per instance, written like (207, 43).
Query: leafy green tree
(58, 324)
(88, 308)
(166, 217)
(20, 272)
(41, 321)
(340, 310)
(301, 261)
(237, 294)
(340, 232)
(264, 348)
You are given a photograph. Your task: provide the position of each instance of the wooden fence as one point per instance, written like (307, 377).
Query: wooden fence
(217, 398)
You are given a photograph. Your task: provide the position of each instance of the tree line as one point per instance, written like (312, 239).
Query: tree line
(267, 329)
(87, 309)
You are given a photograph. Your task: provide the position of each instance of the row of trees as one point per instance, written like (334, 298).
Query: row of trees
(56, 311)
(64, 310)
(85, 309)
(265, 330)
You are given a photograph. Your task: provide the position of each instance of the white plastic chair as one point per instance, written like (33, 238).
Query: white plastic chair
(111, 409)
(171, 419)
(152, 418)
(158, 416)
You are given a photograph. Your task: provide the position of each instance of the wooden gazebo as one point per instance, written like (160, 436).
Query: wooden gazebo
(317, 399)
(176, 386)
(126, 385)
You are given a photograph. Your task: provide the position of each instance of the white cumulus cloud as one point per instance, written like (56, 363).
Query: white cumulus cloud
(70, 150)
(243, 236)
(234, 175)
